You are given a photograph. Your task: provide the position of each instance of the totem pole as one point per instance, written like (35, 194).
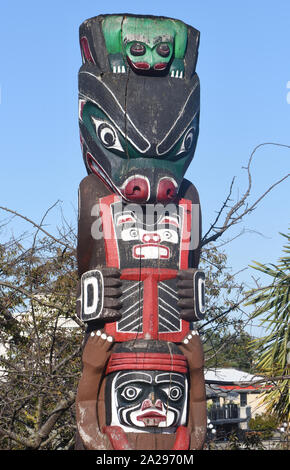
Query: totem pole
(140, 289)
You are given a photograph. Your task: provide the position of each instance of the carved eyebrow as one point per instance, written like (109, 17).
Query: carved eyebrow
(132, 377)
(181, 124)
(125, 217)
(172, 378)
(108, 103)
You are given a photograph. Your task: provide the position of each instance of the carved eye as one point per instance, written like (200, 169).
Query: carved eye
(131, 393)
(107, 135)
(163, 50)
(137, 49)
(167, 234)
(175, 393)
(188, 141)
(134, 233)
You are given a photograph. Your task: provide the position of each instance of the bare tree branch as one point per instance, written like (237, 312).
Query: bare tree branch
(37, 226)
(232, 217)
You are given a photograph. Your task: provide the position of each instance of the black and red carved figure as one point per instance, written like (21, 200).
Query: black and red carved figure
(149, 396)
(139, 234)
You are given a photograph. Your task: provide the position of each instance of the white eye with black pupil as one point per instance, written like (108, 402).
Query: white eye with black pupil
(134, 233)
(175, 393)
(187, 142)
(107, 135)
(131, 393)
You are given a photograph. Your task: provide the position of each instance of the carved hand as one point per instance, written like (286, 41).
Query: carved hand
(189, 293)
(112, 294)
(192, 349)
(100, 295)
(97, 351)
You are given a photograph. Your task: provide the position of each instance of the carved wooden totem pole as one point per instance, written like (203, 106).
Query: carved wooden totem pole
(140, 289)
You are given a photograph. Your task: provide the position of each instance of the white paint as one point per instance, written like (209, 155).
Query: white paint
(90, 281)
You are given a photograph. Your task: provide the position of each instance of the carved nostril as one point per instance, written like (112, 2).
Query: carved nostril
(167, 190)
(136, 189)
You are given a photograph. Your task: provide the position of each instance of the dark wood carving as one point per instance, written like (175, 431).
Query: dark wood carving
(140, 289)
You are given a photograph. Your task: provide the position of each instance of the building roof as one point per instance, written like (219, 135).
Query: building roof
(233, 380)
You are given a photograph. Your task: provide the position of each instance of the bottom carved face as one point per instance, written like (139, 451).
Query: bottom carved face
(146, 401)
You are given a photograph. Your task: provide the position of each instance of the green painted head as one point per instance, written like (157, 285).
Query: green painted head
(138, 123)
(146, 44)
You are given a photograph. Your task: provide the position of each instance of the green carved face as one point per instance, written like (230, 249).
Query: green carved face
(117, 157)
(146, 43)
(143, 57)
(138, 130)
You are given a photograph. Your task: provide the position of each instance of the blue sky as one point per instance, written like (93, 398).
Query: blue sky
(244, 70)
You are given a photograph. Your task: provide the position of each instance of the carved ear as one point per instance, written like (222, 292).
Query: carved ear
(191, 55)
(117, 437)
(182, 440)
(92, 44)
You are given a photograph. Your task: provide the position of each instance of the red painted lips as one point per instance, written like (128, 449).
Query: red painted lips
(151, 418)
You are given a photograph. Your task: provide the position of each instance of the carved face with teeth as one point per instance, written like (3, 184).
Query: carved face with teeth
(154, 242)
(144, 236)
(147, 401)
(138, 132)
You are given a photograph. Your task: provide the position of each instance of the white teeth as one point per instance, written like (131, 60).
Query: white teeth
(119, 69)
(177, 74)
(151, 421)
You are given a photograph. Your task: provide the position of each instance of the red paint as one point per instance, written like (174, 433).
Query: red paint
(166, 190)
(163, 247)
(244, 388)
(182, 440)
(185, 233)
(136, 190)
(149, 276)
(160, 66)
(169, 221)
(117, 437)
(111, 245)
(147, 361)
(151, 238)
(158, 418)
(86, 49)
(90, 160)
(141, 65)
(119, 440)
(123, 220)
(148, 404)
